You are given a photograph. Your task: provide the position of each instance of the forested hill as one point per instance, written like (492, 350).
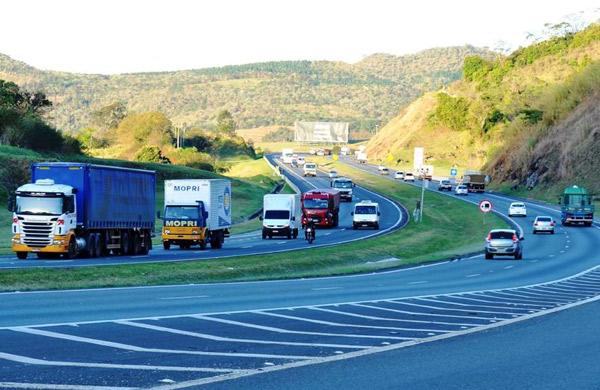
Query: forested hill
(366, 93)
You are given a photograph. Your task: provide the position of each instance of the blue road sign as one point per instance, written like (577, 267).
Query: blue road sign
(453, 171)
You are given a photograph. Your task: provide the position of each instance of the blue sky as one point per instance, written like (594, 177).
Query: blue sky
(110, 36)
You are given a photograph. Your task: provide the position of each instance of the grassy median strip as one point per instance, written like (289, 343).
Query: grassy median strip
(450, 228)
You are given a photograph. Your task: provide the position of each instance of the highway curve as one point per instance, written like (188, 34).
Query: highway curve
(449, 325)
(393, 217)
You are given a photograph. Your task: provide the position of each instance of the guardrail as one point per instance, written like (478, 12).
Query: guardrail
(284, 177)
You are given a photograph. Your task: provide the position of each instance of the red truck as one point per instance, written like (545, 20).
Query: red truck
(322, 206)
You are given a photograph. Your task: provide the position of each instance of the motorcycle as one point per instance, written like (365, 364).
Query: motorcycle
(309, 233)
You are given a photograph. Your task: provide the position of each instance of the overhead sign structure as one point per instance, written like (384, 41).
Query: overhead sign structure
(485, 206)
(321, 132)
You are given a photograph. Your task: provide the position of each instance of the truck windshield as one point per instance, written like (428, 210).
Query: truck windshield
(342, 184)
(181, 212)
(578, 200)
(277, 214)
(365, 210)
(39, 205)
(310, 166)
(315, 203)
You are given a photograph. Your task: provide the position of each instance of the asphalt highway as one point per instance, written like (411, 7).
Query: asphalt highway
(469, 323)
(393, 217)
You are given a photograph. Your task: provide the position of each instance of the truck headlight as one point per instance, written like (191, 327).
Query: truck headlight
(59, 242)
(167, 231)
(195, 232)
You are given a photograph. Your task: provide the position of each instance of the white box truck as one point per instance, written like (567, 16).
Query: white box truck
(197, 212)
(287, 155)
(281, 215)
(361, 157)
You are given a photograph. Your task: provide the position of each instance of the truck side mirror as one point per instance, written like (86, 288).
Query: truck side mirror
(293, 218)
(378, 214)
(260, 218)
(352, 213)
(158, 215)
(11, 204)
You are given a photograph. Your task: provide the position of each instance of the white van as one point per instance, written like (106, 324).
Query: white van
(281, 215)
(310, 169)
(366, 214)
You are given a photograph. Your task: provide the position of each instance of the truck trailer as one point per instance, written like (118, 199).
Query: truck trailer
(475, 181)
(322, 206)
(73, 209)
(197, 212)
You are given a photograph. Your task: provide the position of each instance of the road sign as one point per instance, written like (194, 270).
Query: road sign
(453, 172)
(485, 206)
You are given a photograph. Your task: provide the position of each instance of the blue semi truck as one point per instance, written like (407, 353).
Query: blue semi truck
(78, 209)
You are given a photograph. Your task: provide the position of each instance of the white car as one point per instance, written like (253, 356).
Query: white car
(408, 176)
(366, 214)
(300, 160)
(333, 174)
(517, 209)
(383, 170)
(309, 169)
(312, 151)
(543, 223)
(399, 175)
(321, 152)
(461, 190)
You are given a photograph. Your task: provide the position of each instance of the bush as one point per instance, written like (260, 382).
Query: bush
(450, 112)
(190, 157)
(151, 154)
(475, 68)
(282, 134)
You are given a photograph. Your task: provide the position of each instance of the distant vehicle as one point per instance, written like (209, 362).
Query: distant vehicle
(399, 175)
(445, 185)
(425, 172)
(543, 223)
(333, 174)
(408, 176)
(503, 242)
(312, 152)
(383, 170)
(320, 152)
(576, 206)
(197, 212)
(310, 169)
(67, 210)
(287, 155)
(461, 189)
(345, 186)
(366, 214)
(361, 157)
(517, 209)
(281, 215)
(345, 151)
(474, 180)
(322, 206)
(300, 160)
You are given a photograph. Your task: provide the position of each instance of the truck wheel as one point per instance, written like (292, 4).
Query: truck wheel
(289, 235)
(91, 250)
(22, 255)
(147, 244)
(166, 245)
(376, 226)
(295, 233)
(137, 243)
(264, 235)
(72, 250)
(354, 226)
(203, 245)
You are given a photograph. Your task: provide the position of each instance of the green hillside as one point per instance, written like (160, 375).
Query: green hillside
(366, 93)
(528, 119)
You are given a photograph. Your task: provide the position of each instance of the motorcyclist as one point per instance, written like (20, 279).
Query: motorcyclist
(309, 227)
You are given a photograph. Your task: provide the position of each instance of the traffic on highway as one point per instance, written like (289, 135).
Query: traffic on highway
(247, 335)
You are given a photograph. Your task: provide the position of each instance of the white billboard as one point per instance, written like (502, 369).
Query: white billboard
(321, 132)
(419, 157)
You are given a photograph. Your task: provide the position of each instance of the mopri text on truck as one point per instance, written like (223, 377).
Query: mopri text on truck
(73, 209)
(197, 212)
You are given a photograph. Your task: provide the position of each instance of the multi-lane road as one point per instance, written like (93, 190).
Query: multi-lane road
(393, 217)
(462, 324)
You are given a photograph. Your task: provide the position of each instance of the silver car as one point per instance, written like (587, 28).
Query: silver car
(503, 242)
(543, 224)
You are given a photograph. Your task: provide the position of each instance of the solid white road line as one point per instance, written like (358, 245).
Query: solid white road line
(53, 386)
(448, 309)
(345, 313)
(135, 348)
(233, 340)
(471, 307)
(345, 325)
(57, 363)
(185, 297)
(281, 330)
(415, 313)
(561, 295)
(325, 288)
(555, 289)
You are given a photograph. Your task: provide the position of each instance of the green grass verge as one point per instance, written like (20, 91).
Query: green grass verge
(450, 227)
